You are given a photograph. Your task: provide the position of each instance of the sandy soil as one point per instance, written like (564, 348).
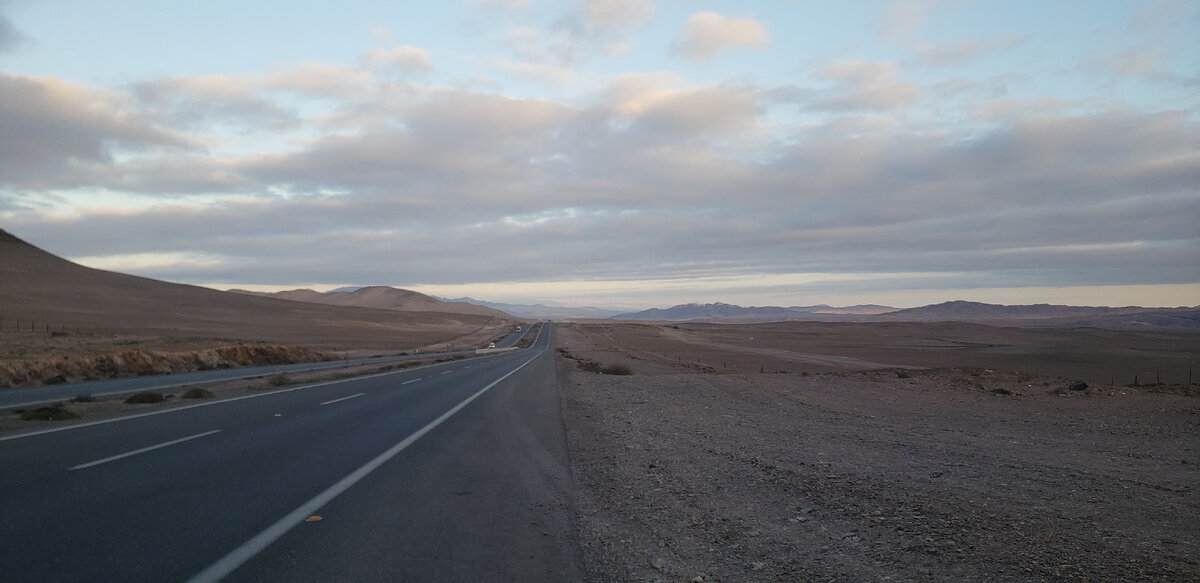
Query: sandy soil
(986, 471)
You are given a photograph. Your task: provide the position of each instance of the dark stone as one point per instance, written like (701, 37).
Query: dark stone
(1077, 386)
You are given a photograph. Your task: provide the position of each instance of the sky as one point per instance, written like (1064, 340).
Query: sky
(616, 153)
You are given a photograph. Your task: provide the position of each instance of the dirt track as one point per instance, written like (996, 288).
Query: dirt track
(948, 474)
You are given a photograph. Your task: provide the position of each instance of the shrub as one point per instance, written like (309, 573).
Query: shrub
(143, 398)
(198, 393)
(83, 398)
(588, 366)
(54, 412)
(278, 380)
(616, 369)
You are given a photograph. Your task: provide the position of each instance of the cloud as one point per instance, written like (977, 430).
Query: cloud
(651, 177)
(619, 15)
(203, 101)
(317, 79)
(1143, 64)
(903, 18)
(506, 5)
(382, 35)
(403, 58)
(707, 33)
(654, 104)
(11, 38)
(58, 134)
(543, 74)
(963, 50)
(857, 86)
(560, 47)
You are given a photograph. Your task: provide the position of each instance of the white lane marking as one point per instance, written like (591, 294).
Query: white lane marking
(238, 557)
(144, 450)
(342, 399)
(447, 372)
(412, 381)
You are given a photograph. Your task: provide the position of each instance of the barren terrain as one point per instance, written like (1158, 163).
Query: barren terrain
(983, 467)
(61, 322)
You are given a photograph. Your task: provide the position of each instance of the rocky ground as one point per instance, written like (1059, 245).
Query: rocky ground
(880, 475)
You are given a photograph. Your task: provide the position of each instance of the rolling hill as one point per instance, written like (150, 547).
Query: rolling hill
(384, 298)
(39, 287)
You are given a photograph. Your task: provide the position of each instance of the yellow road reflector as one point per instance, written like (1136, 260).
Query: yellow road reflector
(312, 519)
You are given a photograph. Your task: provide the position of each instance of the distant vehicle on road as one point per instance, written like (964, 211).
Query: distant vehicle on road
(518, 328)
(491, 344)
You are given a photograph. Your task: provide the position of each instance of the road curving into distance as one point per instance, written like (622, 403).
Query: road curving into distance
(448, 472)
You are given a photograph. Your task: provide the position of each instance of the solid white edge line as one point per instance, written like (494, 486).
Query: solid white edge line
(239, 556)
(412, 381)
(338, 400)
(144, 450)
(223, 401)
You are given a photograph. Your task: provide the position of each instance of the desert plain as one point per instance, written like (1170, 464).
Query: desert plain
(815, 451)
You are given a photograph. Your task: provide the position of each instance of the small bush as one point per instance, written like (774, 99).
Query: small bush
(588, 366)
(144, 398)
(83, 398)
(278, 380)
(198, 393)
(616, 369)
(54, 412)
(900, 374)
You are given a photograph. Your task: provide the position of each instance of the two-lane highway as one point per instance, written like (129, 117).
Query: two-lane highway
(448, 472)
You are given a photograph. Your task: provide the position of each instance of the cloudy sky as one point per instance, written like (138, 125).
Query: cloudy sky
(628, 153)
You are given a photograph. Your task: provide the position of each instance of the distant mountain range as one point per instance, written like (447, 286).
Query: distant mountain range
(1053, 315)
(541, 311)
(723, 311)
(1025, 315)
(381, 297)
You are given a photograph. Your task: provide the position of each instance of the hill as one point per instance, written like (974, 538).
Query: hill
(37, 286)
(384, 298)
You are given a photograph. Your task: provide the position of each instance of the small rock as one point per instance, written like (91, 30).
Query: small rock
(659, 564)
(757, 566)
(1077, 386)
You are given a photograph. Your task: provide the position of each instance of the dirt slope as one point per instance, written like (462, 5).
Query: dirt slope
(47, 293)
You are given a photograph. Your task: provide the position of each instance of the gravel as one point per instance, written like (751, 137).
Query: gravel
(883, 475)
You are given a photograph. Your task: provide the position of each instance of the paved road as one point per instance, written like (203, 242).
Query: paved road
(24, 397)
(451, 472)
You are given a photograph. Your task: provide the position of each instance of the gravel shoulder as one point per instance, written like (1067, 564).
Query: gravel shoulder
(880, 475)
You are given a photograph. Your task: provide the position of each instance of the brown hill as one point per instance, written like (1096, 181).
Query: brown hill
(38, 287)
(385, 298)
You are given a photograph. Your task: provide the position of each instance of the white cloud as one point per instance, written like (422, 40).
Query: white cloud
(59, 134)
(401, 58)
(862, 86)
(321, 80)
(707, 33)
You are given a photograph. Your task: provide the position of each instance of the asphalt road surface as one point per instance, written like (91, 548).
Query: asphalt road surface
(450, 472)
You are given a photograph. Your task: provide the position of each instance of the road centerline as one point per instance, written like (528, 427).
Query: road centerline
(144, 450)
(347, 397)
